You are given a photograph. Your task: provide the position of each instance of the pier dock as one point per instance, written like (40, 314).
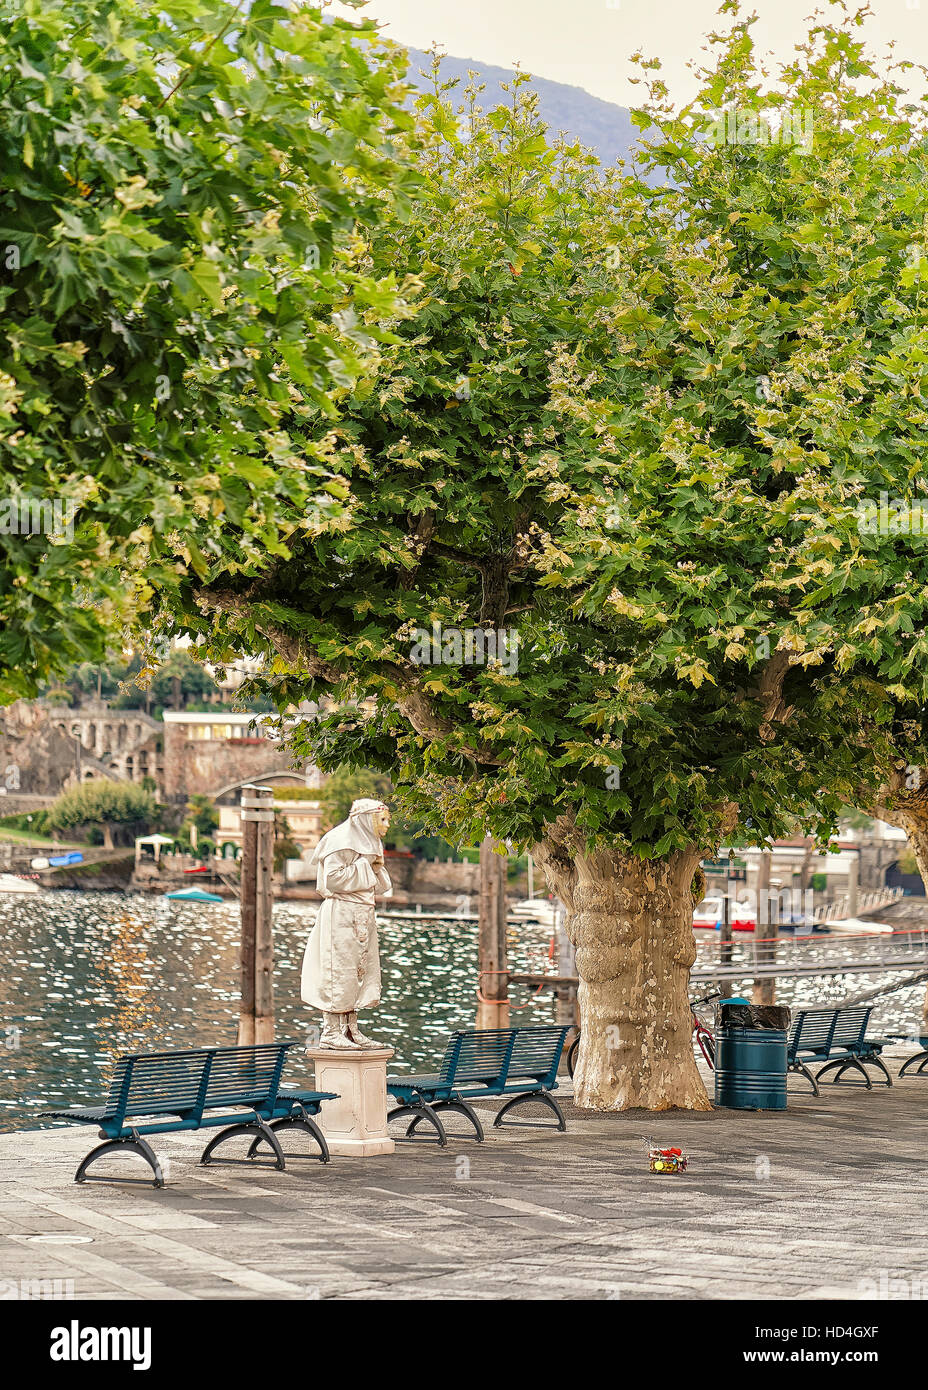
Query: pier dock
(828, 1199)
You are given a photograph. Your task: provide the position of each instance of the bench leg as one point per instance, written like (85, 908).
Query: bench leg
(300, 1121)
(134, 1145)
(543, 1097)
(843, 1064)
(471, 1114)
(421, 1112)
(459, 1105)
(877, 1061)
(264, 1132)
(920, 1057)
(803, 1070)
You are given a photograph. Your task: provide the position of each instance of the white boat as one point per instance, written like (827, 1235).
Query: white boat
(10, 883)
(708, 913)
(856, 926)
(535, 910)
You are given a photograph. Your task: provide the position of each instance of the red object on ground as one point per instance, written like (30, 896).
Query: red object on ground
(201, 870)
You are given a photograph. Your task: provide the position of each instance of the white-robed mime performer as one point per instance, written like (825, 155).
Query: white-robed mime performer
(341, 964)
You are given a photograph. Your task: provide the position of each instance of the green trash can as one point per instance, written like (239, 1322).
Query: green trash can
(750, 1058)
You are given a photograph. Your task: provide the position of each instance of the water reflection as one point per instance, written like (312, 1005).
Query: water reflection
(86, 977)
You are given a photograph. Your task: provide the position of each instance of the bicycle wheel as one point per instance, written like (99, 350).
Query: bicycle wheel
(572, 1056)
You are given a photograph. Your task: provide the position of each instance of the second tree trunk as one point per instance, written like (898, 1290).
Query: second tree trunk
(631, 922)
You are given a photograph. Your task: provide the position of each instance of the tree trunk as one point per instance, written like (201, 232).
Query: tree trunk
(107, 835)
(906, 808)
(916, 827)
(631, 922)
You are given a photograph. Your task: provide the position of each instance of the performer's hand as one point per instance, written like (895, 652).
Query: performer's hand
(378, 862)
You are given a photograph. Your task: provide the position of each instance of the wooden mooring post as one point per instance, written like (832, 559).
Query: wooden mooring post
(492, 956)
(766, 929)
(256, 1011)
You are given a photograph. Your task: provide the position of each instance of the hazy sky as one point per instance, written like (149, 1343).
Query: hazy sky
(587, 43)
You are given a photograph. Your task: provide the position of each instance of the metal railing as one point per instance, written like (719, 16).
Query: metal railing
(749, 954)
(871, 901)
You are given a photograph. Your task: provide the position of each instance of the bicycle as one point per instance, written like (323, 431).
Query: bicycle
(702, 1035)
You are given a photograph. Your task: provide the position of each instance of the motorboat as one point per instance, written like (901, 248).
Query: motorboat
(538, 910)
(856, 926)
(709, 913)
(12, 883)
(194, 895)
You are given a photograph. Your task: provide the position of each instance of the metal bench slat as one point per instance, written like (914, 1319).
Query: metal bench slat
(492, 1058)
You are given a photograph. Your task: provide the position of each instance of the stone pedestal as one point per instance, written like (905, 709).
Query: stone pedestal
(356, 1123)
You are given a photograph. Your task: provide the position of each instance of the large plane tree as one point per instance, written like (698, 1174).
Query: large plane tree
(179, 188)
(636, 420)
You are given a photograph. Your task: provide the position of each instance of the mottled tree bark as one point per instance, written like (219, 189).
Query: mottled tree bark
(910, 813)
(916, 827)
(630, 920)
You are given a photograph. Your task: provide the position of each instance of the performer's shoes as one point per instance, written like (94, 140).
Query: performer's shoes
(357, 1036)
(335, 1034)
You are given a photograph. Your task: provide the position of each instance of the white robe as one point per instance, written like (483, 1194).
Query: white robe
(341, 963)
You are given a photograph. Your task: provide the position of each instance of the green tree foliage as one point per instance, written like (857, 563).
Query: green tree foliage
(104, 803)
(179, 283)
(285, 846)
(348, 784)
(202, 813)
(203, 818)
(89, 677)
(640, 420)
(132, 684)
(681, 401)
(182, 674)
(450, 446)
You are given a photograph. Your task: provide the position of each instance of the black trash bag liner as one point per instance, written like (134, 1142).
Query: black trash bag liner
(754, 1015)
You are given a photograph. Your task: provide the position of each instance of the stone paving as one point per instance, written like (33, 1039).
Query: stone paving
(829, 1199)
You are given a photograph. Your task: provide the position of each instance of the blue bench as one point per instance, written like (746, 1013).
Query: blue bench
(838, 1038)
(520, 1063)
(175, 1090)
(921, 1056)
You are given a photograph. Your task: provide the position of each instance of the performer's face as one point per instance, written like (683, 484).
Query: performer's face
(381, 822)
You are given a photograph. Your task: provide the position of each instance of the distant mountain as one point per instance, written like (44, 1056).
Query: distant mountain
(601, 125)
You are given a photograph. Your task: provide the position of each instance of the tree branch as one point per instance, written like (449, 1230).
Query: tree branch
(413, 703)
(460, 557)
(769, 691)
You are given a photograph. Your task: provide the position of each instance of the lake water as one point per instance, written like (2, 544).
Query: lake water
(85, 977)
